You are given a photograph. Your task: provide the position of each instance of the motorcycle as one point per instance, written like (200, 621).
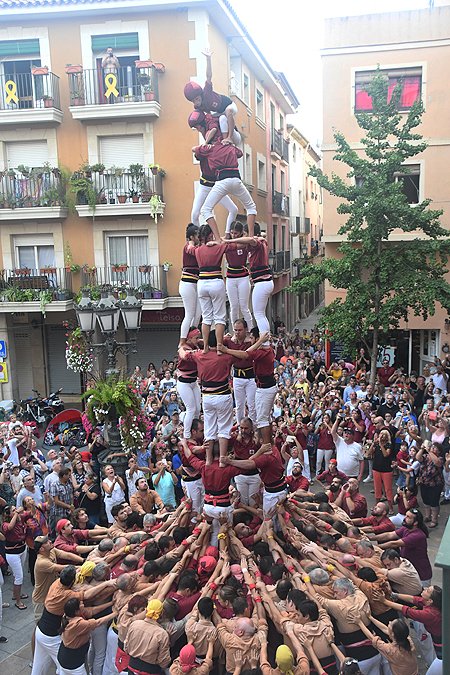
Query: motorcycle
(40, 410)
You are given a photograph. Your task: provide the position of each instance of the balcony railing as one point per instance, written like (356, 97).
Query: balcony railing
(25, 91)
(120, 186)
(126, 84)
(281, 262)
(26, 285)
(279, 145)
(32, 187)
(280, 203)
(147, 279)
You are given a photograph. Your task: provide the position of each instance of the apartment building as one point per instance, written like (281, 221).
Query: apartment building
(97, 175)
(306, 219)
(413, 48)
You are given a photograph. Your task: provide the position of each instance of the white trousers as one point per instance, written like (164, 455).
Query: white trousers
(371, 666)
(238, 291)
(97, 650)
(218, 416)
(271, 499)
(244, 392)
(248, 487)
(190, 394)
(424, 643)
(213, 301)
(435, 668)
(109, 667)
(109, 503)
(228, 186)
(194, 491)
(73, 671)
(321, 455)
(201, 193)
(264, 399)
(191, 304)
(262, 291)
(216, 512)
(45, 652)
(16, 561)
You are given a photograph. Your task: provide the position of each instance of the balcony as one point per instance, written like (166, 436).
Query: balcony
(128, 93)
(28, 98)
(36, 290)
(32, 194)
(279, 146)
(280, 203)
(149, 280)
(119, 192)
(281, 262)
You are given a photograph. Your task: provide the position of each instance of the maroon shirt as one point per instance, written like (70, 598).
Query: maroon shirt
(327, 476)
(297, 483)
(379, 527)
(263, 363)
(220, 156)
(430, 616)
(189, 258)
(384, 374)
(415, 550)
(237, 259)
(270, 467)
(240, 346)
(216, 479)
(360, 510)
(210, 256)
(185, 603)
(212, 101)
(258, 256)
(212, 367)
(325, 440)
(187, 369)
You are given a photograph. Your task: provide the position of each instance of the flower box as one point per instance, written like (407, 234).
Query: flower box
(39, 70)
(70, 69)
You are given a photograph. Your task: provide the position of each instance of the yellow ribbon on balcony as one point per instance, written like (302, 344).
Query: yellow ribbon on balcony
(111, 84)
(11, 91)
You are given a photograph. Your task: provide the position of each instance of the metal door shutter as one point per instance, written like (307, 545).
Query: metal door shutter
(28, 153)
(121, 151)
(23, 373)
(59, 374)
(154, 343)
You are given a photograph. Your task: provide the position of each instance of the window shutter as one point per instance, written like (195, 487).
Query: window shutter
(121, 151)
(124, 41)
(19, 47)
(28, 153)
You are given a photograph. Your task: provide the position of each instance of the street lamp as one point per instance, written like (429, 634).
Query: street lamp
(304, 251)
(86, 312)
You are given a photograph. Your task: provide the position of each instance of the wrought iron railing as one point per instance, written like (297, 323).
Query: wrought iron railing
(147, 279)
(24, 284)
(280, 203)
(126, 84)
(121, 186)
(279, 145)
(31, 187)
(26, 91)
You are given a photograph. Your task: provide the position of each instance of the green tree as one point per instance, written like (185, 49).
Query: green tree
(384, 280)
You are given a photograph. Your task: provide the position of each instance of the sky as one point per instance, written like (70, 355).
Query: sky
(291, 40)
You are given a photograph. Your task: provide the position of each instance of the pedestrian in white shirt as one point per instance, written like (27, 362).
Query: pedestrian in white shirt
(349, 454)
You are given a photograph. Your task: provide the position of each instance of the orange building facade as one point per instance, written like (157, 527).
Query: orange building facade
(97, 176)
(411, 47)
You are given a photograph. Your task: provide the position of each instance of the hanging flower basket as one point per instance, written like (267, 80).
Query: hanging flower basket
(78, 354)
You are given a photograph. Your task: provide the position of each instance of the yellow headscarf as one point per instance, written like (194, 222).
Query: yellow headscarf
(85, 572)
(154, 609)
(285, 659)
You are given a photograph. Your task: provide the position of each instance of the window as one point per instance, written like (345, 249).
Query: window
(246, 89)
(409, 79)
(282, 182)
(130, 249)
(274, 237)
(260, 104)
(262, 174)
(281, 127)
(236, 75)
(248, 168)
(294, 152)
(34, 251)
(410, 179)
(121, 150)
(29, 153)
(274, 177)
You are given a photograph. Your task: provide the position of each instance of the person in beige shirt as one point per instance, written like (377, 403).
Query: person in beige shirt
(146, 642)
(401, 574)
(243, 638)
(399, 651)
(349, 606)
(144, 500)
(314, 624)
(200, 629)
(187, 661)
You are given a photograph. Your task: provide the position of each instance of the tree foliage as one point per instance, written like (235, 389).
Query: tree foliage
(385, 278)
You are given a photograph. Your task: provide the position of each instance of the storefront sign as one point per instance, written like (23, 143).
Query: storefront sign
(3, 373)
(170, 315)
(2, 349)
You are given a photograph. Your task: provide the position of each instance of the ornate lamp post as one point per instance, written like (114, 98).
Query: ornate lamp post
(107, 312)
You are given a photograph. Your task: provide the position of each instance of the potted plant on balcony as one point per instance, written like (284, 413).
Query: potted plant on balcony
(83, 188)
(156, 294)
(143, 64)
(48, 101)
(72, 69)
(145, 269)
(22, 271)
(77, 98)
(119, 267)
(98, 168)
(11, 173)
(24, 170)
(48, 270)
(154, 168)
(86, 169)
(149, 94)
(62, 294)
(134, 196)
(39, 70)
(146, 290)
